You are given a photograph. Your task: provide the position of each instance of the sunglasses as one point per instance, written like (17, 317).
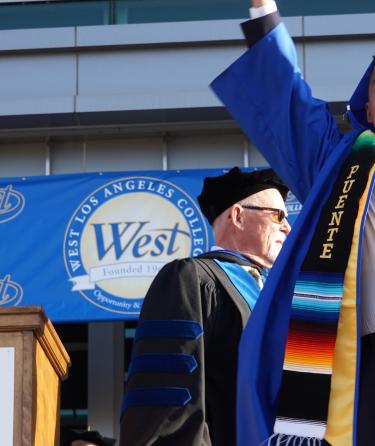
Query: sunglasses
(278, 215)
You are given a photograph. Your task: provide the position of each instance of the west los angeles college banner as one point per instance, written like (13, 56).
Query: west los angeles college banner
(86, 247)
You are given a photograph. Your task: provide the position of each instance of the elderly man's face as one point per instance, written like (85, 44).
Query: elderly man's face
(262, 235)
(370, 106)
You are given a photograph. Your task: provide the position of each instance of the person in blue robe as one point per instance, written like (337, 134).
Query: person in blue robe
(307, 355)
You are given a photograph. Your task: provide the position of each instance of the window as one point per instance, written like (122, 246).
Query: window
(54, 14)
(58, 13)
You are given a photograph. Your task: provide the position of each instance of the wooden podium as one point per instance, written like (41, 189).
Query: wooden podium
(33, 361)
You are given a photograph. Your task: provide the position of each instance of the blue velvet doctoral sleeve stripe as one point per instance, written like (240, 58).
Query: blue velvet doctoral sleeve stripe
(169, 329)
(163, 362)
(156, 396)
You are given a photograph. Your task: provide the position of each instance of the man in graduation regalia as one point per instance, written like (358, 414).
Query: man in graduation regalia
(181, 387)
(307, 355)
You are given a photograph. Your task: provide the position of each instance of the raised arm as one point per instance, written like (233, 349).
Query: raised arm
(265, 93)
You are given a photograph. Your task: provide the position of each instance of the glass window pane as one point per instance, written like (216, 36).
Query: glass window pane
(98, 12)
(145, 11)
(54, 14)
(324, 7)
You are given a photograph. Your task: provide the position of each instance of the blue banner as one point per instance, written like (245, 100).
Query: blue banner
(86, 247)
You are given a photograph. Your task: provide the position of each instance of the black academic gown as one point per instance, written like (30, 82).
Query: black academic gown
(200, 292)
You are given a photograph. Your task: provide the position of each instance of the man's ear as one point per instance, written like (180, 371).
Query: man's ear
(236, 215)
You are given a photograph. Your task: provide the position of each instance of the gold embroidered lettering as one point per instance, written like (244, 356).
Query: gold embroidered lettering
(341, 202)
(327, 251)
(331, 232)
(353, 170)
(336, 218)
(347, 186)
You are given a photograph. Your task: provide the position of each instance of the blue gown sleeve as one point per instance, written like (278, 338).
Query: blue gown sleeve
(265, 93)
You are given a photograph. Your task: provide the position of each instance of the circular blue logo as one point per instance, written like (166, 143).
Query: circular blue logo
(123, 233)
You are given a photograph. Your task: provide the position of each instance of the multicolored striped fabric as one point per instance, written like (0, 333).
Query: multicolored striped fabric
(309, 354)
(315, 314)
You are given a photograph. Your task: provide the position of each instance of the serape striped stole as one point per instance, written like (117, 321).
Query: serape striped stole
(317, 397)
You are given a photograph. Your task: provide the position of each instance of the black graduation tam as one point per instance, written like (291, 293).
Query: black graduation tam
(221, 192)
(91, 436)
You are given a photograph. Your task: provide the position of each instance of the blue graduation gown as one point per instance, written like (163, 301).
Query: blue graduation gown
(265, 93)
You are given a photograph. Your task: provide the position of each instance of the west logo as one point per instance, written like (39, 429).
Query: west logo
(11, 203)
(136, 239)
(123, 233)
(11, 293)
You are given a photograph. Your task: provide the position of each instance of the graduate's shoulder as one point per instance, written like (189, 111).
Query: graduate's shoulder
(186, 267)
